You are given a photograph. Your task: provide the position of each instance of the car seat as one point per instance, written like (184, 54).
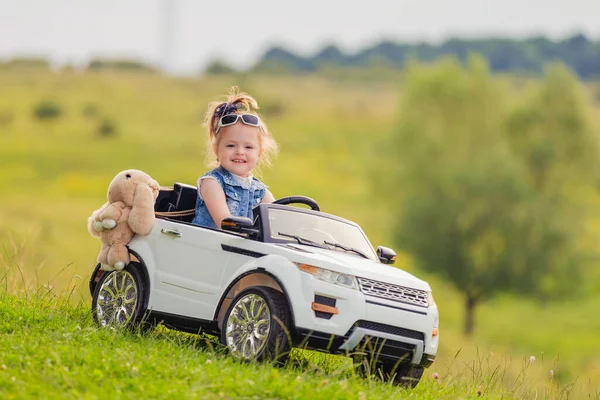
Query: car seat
(178, 203)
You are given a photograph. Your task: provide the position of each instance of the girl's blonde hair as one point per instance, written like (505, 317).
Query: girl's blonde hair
(241, 103)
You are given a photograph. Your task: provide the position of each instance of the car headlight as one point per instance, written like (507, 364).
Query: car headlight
(329, 276)
(430, 300)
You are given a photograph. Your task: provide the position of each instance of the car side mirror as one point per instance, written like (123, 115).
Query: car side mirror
(386, 255)
(238, 225)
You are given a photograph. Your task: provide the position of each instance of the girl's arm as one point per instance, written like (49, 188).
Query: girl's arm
(268, 198)
(213, 195)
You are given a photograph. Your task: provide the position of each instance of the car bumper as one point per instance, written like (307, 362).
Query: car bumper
(364, 324)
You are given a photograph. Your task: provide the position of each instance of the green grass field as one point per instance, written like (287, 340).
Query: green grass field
(53, 174)
(50, 349)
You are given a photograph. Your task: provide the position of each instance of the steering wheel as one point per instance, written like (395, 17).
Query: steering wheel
(298, 200)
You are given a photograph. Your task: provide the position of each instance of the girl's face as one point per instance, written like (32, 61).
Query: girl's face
(238, 149)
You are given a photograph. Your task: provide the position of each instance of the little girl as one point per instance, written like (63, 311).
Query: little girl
(239, 140)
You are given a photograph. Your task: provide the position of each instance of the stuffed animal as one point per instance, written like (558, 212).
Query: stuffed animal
(128, 211)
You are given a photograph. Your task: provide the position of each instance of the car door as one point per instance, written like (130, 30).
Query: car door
(190, 267)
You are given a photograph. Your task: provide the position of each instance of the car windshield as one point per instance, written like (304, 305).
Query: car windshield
(304, 228)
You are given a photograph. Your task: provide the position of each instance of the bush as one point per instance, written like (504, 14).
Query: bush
(47, 110)
(107, 128)
(119, 64)
(21, 63)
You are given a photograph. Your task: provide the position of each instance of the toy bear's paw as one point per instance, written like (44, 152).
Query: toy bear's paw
(109, 223)
(119, 265)
(97, 225)
(106, 267)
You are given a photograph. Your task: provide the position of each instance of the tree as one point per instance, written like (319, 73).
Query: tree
(219, 67)
(280, 61)
(100, 64)
(504, 55)
(466, 209)
(551, 135)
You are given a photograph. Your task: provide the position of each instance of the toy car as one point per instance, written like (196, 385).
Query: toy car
(292, 277)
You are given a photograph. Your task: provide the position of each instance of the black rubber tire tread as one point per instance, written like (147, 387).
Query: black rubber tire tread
(406, 375)
(138, 320)
(277, 348)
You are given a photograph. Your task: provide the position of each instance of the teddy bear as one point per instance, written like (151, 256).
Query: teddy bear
(128, 211)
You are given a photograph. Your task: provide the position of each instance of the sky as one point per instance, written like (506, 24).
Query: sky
(182, 36)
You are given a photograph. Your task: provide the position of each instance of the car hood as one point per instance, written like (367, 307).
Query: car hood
(358, 266)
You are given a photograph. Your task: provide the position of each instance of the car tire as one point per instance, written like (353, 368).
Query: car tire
(257, 326)
(405, 375)
(119, 298)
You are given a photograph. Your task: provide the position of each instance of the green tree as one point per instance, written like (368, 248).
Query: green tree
(466, 208)
(100, 64)
(550, 132)
(504, 55)
(219, 67)
(551, 135)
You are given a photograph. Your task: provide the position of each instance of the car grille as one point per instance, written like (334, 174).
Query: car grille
(384, 349)
(394, 330)
(393, 292)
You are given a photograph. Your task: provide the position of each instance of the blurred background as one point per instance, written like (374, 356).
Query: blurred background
(463, 134)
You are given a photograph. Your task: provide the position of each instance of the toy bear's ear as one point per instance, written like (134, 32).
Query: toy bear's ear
(141, 217)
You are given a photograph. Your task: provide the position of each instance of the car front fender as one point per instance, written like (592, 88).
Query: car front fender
(278, 267)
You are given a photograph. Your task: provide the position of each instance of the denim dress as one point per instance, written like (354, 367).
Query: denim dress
(240, 198)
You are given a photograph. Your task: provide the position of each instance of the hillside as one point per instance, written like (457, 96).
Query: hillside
(55, 171)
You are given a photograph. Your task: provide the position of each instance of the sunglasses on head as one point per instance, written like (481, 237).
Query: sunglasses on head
(230, 119)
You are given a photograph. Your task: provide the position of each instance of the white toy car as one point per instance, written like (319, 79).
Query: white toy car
(293, 277)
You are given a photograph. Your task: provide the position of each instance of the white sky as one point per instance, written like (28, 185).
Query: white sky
(240, 31)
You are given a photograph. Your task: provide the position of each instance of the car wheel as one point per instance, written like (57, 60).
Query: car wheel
(405, 375)
(256, 325)
(363, 366)
(119, 297)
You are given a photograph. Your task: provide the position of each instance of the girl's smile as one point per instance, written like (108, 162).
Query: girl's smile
(238, 149)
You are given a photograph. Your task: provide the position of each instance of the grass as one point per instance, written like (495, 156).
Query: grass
(53, 174)
(49, 348)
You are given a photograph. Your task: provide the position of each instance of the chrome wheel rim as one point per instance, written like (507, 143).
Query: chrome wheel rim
(117, 299)
(248, 326)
